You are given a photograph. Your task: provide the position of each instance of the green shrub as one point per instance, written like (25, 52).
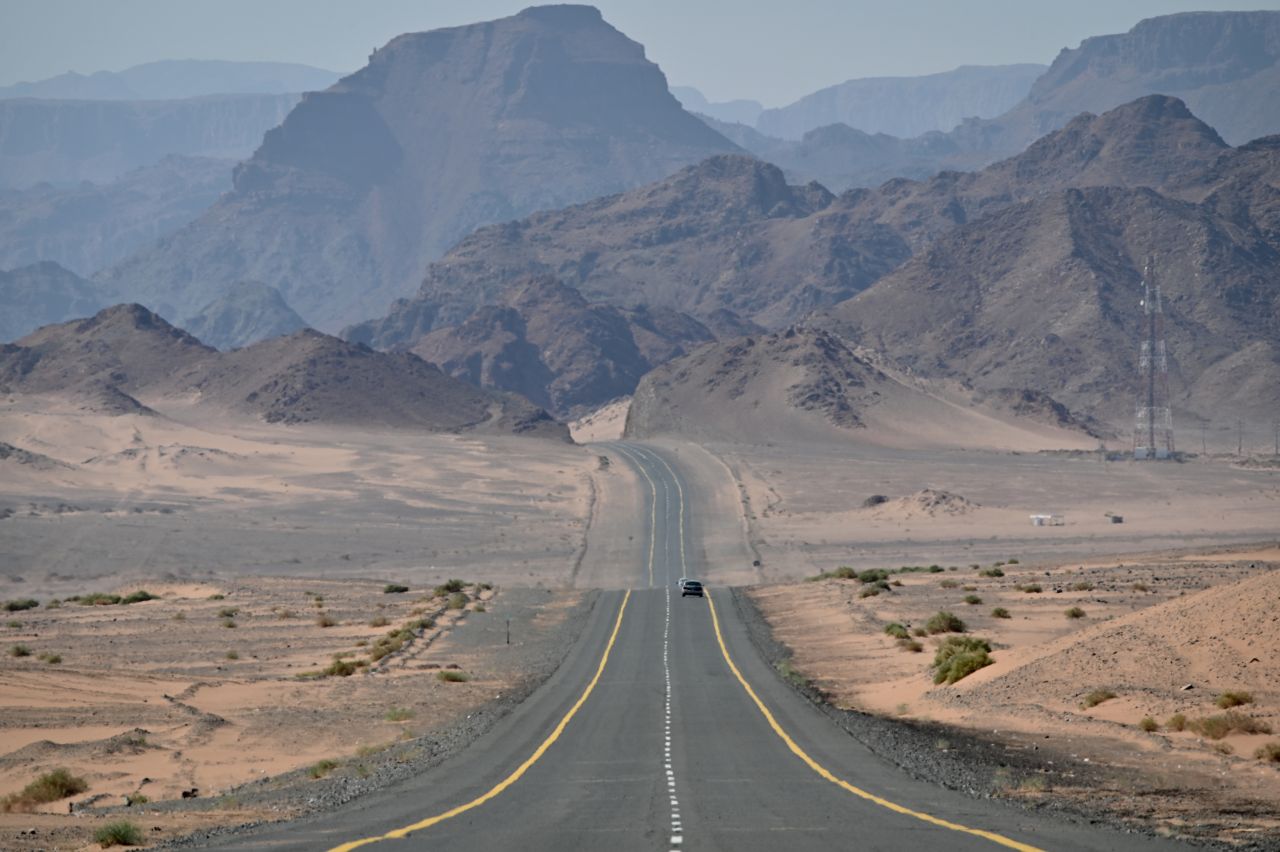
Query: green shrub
(1227, 700)
(1011, 562)
(323, 768)
(217, 596)
(481, 608)
(1148, 724)
(911, 645)
(944, 622)
(936, 569)
(1217, 727)
(449, 587)
(379, 621)
(972, 600)
(51, 659)
(1270, 752)
(1096, 697)
(21, 604)
(1000, 612)
(19, 650)
(96, 599)
(873, 575)
(1140, 587)
(457, 600)
(399, 714)
(138, 597)
(452, 676)
(1030, 588)
(50, 787)
(229, 623)
(53, 604)
(990, 572)
(960, 656)
(339, 668)
(1177, 722)
(1075, 612)
(1082, 586)
(394, 589)
(120, 833)
(233, 655)
(949, 584)
(897, 631)
(869, 591)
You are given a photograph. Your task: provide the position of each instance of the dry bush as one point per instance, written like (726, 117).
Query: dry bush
(960, 656)
(50, 787)
(1236, 698)
(944, 622)
(1096, 697)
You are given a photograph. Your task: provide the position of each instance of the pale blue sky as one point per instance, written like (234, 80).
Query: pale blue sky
(775, 52)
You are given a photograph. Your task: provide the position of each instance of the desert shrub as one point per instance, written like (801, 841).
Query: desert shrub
(1223, 748)
(452, 676)
(1176, 722)
(869, 591)
(179, 616)
(339, 668)
(324, 619)
(457, 600)
(51, 659)
(136, 799)
(911, 645)
(1231, 722)
(138, 597)
(1270, 752)
(970, 588)
(1075, 612)
(13, 624)
(1096, 697)
(394, 589)
(53, 604)
(449, 587)
(897, 631)
(228, 612)
(1030, 588)
(481, 608)
(322, 768)
(217, 596)
(919, 631)
(949, 584)
(1227, 700)
(484, 587)
(233, 655)
(990, 572)
(19, 650)
(972, 600)
(873, 575)
(285, 613)
(1148, 724)
(1011, 562)
(50, 787)
(1000, 612)
(21, 604)
(229, 623)
(97, 599)
(944, 622)
(936, 569)
(960, 656)
(379, 621)
(399, 714)
(119, 833)
(1082, 586)
(1140, 587)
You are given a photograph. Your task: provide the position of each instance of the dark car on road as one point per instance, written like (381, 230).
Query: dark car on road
(690, 587)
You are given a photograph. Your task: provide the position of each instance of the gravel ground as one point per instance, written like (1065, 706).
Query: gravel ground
(1033, 775)
(297, 794)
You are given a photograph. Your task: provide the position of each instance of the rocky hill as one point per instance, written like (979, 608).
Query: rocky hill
(904, 106)
(1045, 295)
(125, 352)
(63, 142)
(173, 79)
(92, 225)
(732, 234)
(726, 234)
(246, 313)
(40, 294)
(343, 205)
(804, 383)
(546, 342)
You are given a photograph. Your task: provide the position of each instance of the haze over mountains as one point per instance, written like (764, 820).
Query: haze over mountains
(174, 79)
(442, 131)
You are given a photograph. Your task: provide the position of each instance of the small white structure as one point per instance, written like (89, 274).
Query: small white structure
(1047, 521)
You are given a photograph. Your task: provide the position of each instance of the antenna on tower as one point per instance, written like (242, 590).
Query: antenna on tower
(1153, 425)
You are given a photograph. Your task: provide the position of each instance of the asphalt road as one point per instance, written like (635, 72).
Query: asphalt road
(665, 729)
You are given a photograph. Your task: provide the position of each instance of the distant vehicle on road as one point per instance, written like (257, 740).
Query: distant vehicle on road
(690, 587)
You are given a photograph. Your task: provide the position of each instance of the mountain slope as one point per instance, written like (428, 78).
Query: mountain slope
(172, 79)
(1045, 295)
(905, 106)
(345, 203)
(126, 351)
(246, 313)
(89, 226)
(65, 142)
(544, 341)
(40, 294)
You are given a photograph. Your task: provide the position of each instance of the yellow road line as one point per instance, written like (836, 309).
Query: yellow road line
(653, 509)
(520, 770)
(998, 839)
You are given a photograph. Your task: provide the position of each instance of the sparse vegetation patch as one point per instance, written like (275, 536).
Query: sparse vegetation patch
(120, 833)
(944, 622)
(1096, 697)
(960, 656)
(50, 787)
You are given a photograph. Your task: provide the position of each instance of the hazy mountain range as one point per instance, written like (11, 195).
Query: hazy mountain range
(174, 79)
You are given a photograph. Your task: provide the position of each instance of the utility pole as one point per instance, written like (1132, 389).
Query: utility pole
(1153, 421)
(1204, 443)
(1239, 437)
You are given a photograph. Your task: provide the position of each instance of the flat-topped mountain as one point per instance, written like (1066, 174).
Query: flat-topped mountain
(363, 184)
(126, 351)
(543, 340)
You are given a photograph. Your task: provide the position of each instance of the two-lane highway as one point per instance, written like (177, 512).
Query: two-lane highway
(665, 729)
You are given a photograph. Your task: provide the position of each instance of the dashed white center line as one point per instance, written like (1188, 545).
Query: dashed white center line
(677, 833)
